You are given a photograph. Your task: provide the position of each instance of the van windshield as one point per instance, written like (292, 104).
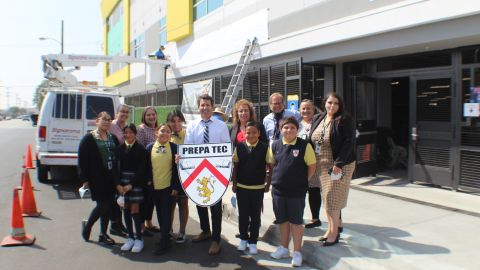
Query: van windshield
(97, 104)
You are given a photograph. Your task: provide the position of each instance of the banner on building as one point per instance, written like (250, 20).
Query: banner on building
(191, 92)
(205, 171)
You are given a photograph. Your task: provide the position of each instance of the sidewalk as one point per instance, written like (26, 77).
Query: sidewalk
(390, 224)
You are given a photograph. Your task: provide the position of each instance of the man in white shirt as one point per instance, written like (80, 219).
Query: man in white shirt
(272, 120)
(208, 130)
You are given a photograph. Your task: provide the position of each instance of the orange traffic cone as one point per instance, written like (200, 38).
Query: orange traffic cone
(23, 180)
(17, 237)
(29, 206)
(28, 158)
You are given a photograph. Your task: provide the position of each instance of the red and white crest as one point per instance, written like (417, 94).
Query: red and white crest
(205, 171)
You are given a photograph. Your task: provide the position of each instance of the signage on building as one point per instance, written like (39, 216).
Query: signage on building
(471, 109)
(292, 102)
(205, 171)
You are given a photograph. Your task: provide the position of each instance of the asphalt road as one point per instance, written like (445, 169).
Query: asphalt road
(58, 242)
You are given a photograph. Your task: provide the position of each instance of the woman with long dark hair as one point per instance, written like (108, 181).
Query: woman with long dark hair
(97, 170)
(333, 137)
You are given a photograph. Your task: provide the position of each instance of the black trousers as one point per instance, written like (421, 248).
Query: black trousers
(116, 213)
(315, 201)
(147, 205)
(163, 204)
(101, 211)
(250, 203)
(216, 212)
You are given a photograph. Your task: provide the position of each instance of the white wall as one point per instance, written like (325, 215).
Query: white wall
(193, 55)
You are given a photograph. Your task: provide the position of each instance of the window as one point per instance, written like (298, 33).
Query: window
(163, 31)
(471, 55)
(139, 46)
(413, 61)
(115, 37)
(67, 106)
(96, 105)
(203, 7)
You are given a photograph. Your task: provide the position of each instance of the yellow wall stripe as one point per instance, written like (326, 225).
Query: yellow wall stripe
(122, 75)
(179, 19)
(107, 7)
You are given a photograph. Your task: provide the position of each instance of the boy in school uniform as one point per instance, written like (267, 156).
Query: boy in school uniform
(294, 163)
(250, 181)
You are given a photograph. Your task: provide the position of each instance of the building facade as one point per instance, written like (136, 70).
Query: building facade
(409, 70)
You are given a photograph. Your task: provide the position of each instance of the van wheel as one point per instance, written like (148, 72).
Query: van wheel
(42, 173)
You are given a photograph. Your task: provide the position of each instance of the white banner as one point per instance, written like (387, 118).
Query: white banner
(205, 171)
(191, 92)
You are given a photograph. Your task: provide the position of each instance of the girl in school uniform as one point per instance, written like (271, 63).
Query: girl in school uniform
(164, 176)
(132, 164)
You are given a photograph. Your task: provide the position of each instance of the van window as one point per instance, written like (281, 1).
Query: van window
(96, 105)
(67, 106)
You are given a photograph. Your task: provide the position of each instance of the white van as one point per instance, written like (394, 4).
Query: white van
(66, 116)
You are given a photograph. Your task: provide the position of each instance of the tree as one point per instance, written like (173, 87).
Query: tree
(39, 95)
(16, 111)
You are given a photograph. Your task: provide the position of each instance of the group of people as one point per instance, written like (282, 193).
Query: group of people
(290, 153)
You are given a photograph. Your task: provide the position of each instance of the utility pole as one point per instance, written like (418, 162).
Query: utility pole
(61, 39)
(8, 99)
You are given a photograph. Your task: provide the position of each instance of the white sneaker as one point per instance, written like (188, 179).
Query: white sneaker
(138, 246)
(252, 248)
(297, 259)
(242, 246)
(280, 253)
(180, 238)
(128, 245)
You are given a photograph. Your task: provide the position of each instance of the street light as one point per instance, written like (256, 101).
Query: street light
(59, 42)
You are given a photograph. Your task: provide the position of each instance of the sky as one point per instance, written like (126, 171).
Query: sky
(22, 22)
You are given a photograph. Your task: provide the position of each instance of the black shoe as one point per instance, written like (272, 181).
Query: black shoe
(147, 233)
(117, 230)
(161, 248)
(340, 229)
(327, 244)
(106, 240)
(86, 231)
(322, 239)
(313, 224)
(153, 229)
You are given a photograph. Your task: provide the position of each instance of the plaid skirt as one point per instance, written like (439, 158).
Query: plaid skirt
(334, 192)
(136, 194)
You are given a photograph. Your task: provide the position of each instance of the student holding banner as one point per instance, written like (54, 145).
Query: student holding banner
(164, 175)
(176, 120)
(250, 181)
(208, 130)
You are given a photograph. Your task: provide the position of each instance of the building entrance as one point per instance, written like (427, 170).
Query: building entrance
(393, 125)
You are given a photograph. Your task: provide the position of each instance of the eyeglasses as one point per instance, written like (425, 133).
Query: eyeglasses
(124, 111)
(106, 119)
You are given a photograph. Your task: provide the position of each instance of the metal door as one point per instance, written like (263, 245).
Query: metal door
(365, 114)
(432, 130)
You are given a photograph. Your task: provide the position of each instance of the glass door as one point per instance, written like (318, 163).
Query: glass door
(365, 114)
(432, 131)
